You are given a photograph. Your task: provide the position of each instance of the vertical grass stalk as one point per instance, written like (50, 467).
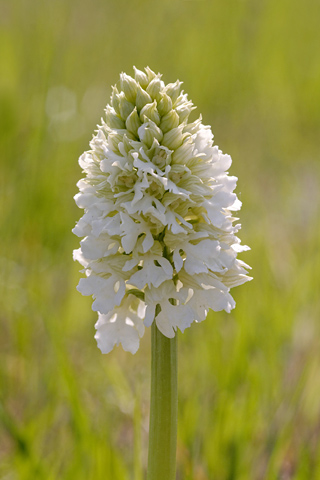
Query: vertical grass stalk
(163, 407)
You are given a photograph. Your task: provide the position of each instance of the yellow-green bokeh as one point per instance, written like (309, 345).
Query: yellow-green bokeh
(249, 383)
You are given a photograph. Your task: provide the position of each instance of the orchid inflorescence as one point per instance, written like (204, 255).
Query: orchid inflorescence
(159, 241)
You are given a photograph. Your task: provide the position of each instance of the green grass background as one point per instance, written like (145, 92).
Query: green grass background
(249, 382)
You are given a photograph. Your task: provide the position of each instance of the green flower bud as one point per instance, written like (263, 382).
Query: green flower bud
(165, 104)
(113, 141)
(183, 114)
(150, 112)
(129, 86)
(150, 73)
(173, 90)
(154, 88)
(115, 100)
(113, 120)
(141, 78)
(125, 106)
(184, 108)
(133, 122)
(169, 121)
(148, 132)
(142, 98)
(173, 139)
(183, 153)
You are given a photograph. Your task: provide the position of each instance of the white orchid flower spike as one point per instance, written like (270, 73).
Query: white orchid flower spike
(159, 241)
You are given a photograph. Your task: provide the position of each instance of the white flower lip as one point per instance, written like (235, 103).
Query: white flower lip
(159, 241)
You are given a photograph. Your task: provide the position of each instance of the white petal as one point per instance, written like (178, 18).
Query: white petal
(110, 334)
(177, 260)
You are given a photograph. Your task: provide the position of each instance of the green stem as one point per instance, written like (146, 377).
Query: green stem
(163, 407)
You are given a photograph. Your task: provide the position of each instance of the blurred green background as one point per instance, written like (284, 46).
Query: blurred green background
(249, 382)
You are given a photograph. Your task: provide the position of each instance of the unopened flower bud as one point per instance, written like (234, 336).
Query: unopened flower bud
(129, 86)
(148, 132)
(141, 77)
(113, 120)
(142, 98)
(184, 111)
(125, 106)
(150, 112)
(115, 100)
(150, 73)
(165, 104)
(169, 121)
(173, 139)
(133, 122)
(154, 88)
(183, 153)
(113, 141)
(173, 90)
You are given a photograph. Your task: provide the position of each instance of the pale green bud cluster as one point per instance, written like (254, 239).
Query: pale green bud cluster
(148, 109)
